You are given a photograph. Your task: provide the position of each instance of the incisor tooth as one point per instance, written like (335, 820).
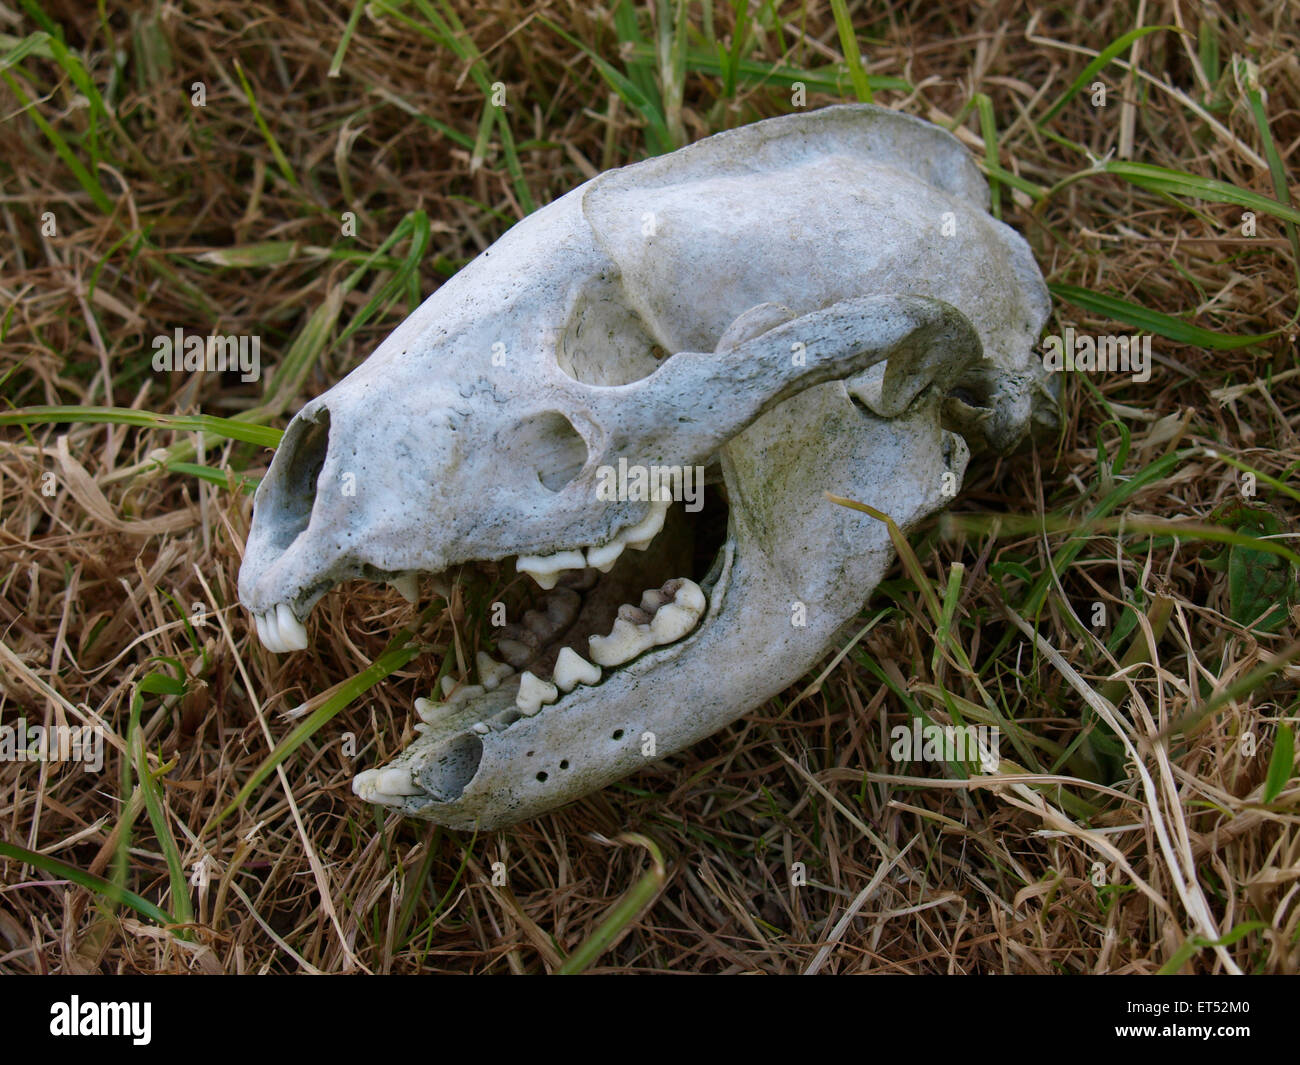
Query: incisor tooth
(397, 781)
(448, 685)
(259, 621)
(293, 633)
(533, 692)
(623, 644)
(571, 669)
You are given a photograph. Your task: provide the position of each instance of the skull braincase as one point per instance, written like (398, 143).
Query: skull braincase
(814, 303)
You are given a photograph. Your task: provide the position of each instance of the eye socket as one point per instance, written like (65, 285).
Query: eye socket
(549, 444)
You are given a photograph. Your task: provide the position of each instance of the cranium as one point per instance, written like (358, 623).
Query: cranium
(813, 303)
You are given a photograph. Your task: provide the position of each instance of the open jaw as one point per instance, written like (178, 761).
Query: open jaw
(579, 623)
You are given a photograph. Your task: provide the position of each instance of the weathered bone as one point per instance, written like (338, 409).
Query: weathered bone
(841, 314)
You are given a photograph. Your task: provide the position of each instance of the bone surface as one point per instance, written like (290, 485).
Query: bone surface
(814, 303)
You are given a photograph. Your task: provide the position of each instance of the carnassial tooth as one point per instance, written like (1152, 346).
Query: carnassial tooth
(533, 692)
(397, 781)
(407, 585)
(293, 633)
(640, 534)
(623, 644)
(603, 558)
(491, 672)
(546, 569)
(571, 669)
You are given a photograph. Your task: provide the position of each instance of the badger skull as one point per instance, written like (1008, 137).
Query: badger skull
(813, 303)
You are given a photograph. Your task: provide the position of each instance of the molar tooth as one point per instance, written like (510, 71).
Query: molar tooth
(533, 692)
(671, 623)
(407, 585)
(623, 644)
(686, 593)
(571, 669)
(653, 599)
(634, 614)
(292, 632)
(603, 558)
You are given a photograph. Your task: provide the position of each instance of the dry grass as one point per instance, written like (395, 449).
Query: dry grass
(1084, 854)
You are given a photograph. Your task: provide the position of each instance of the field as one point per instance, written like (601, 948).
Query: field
(1119, 600)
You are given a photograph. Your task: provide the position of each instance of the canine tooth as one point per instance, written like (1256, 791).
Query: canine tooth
(571, 669)
(293, 633)
(397, 781)
(429, 711)
(533, 692)
(603, 558)
(640, 534)
(491, 672)
(546, 569)
(653, 599)
(623, 644)
(672, 622)
(634, 614)
(407, 585)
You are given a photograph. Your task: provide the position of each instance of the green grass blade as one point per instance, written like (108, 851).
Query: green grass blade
(1153, 321)
(89, 881)
(849, 46)
(228, 428)
(1280, 764)
(1120, 44)
(623, 913)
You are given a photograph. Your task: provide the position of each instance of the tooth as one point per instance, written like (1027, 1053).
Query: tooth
(533, 692)
(363, 784)
(603, 558)
(397, 781)
(640, 534)
(686, 593)
(653, 599)
(259, 621)
(480, 728)
(430, 711)
(571, 669)
(546, 569)
(293, 633)
(448, 685)
(562, 607)
(491, 672)
(272, 639)
(623, 644)
(516, 653)
(672, 622)
(406, 584)
(634, 614)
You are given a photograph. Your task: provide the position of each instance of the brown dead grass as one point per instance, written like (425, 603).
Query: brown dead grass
(991, 875)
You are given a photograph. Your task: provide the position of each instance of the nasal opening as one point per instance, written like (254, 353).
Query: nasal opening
(301, 457)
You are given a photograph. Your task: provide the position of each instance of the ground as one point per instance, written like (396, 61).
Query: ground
(1120, 600)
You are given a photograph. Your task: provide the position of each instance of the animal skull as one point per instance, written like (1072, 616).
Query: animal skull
(815, 302)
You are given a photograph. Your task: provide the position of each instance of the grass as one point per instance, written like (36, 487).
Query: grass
(1121, 601)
